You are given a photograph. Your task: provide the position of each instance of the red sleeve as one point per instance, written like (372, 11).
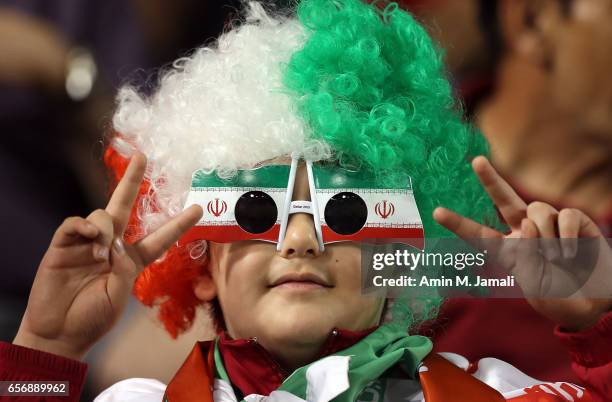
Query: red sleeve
(591, 352)
(18, 363)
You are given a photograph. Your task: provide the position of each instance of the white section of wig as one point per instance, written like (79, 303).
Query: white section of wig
(223, 108)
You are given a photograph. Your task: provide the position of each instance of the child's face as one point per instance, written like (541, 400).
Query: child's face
(291, 299)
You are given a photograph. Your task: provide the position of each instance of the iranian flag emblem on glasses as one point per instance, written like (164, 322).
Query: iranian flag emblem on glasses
(255, 204)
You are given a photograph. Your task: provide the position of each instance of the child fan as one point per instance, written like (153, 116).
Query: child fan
(303, 132)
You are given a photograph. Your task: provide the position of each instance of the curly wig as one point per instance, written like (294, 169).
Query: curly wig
(361, 85)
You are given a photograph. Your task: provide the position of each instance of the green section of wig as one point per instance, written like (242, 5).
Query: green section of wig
(370, 82)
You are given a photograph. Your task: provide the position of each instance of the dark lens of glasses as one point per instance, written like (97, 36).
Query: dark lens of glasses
(255, 212)
(346, 213)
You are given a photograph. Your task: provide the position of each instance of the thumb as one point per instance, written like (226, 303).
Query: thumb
(124, 271)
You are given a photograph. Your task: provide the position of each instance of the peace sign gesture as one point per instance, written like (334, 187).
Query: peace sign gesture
(86, 276)
(523, 258)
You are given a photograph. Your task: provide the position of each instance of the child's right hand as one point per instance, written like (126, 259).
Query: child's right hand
(86, 276)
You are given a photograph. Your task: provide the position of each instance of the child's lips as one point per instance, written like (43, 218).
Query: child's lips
(297, 285)
(300, 281)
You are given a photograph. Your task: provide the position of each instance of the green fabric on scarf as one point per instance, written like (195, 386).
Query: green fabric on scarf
(369, 359)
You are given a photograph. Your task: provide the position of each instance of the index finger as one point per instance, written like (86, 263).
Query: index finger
(122, 200)
(156, 243)
(512, 207)
(464, 227)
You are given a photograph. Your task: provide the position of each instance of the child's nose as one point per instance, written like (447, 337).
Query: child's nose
(301, 239)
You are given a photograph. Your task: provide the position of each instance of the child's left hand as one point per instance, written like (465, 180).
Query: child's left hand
(541, 220)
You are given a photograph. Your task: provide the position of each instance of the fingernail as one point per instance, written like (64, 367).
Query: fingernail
(573, 250)
(569, 249)
(119, 246)
(102, 253)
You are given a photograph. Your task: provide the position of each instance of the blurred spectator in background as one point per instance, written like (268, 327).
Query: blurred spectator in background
(549, 119)
(59, 64)
(537, 76)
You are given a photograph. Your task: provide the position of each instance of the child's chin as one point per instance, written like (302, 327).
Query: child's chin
(304, 324)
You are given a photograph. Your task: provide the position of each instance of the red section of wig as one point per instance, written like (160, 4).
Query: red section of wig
(168, 282)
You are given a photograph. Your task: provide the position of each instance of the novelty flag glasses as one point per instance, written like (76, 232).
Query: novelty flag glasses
(346, 206)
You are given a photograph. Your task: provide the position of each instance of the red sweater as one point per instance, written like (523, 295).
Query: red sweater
(22, 364)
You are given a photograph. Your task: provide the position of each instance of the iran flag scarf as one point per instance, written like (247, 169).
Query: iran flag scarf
(340, 377)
